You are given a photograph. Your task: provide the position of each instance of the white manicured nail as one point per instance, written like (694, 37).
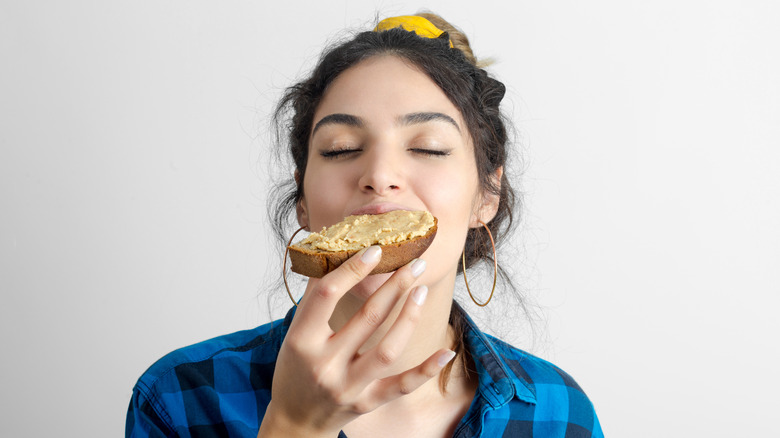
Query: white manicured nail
(372, 255)
(418, 267)
(445, 358)
(419, 294)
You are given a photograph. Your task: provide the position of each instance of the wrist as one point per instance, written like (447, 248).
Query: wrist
(277, 424)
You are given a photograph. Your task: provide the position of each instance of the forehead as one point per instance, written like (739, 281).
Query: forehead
(385, 87)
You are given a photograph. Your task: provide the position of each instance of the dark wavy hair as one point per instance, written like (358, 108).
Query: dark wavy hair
(470, 88)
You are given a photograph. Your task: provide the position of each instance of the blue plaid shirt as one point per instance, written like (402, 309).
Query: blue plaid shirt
(221, 388)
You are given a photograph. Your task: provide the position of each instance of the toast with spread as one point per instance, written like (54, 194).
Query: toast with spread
(403, 235)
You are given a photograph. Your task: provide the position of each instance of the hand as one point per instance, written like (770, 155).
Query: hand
(321, 383)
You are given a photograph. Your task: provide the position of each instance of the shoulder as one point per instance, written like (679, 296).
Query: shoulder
(169, 394)
(558, 398)
(521, 394)
(243, 344)
(532, 369)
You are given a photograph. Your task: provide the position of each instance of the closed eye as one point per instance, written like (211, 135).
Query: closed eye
(432, 152)
(338, 153)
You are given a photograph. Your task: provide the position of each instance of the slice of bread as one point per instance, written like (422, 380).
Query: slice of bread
(403, 236)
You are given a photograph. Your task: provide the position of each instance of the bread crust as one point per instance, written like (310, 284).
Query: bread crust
(318, 263)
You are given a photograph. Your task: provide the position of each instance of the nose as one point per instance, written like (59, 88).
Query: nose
(381, 174)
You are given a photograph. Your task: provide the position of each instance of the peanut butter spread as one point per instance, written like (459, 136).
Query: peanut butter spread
(360, 231)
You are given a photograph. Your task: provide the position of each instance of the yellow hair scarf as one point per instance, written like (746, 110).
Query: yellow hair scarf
(411, 23)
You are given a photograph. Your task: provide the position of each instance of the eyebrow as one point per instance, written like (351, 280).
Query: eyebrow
(405, 120)
(338, 119)
(425, 117)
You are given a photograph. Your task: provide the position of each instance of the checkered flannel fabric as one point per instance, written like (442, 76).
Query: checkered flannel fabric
(221, 388)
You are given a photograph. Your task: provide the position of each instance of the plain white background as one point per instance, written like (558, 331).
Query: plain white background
(133, 150)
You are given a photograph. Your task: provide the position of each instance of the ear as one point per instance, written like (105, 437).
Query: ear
(300, 207)
(303, 216)
(487, 207)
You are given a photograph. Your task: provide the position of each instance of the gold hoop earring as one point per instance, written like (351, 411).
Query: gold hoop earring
(284, 266)
(495, 270)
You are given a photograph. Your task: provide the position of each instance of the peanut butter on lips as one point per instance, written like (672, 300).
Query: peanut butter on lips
(360, 231)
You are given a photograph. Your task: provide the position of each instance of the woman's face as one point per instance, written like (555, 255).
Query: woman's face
(386, 137)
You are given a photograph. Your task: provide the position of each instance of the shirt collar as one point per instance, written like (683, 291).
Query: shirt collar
(498, 383)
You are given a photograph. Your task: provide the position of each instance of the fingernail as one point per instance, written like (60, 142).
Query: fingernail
(419, 294)
(371, 255)
(445, 358)
(418, 267)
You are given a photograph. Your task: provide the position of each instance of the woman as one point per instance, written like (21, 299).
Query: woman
(397, 118)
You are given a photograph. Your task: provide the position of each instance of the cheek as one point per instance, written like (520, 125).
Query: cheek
(322, 193)
(450, 197)
(450, 192)
(314, 193)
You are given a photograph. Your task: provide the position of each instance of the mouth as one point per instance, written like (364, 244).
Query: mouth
(380, 208)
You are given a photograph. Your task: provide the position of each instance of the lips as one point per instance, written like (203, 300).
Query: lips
(380, 208)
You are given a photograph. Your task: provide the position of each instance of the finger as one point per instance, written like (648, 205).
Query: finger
(377, 308)
(388, 389)
(322, 294)
(394, 342)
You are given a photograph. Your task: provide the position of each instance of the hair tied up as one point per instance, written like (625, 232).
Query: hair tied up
(446, 37)
(498, 90)
(490, 90)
